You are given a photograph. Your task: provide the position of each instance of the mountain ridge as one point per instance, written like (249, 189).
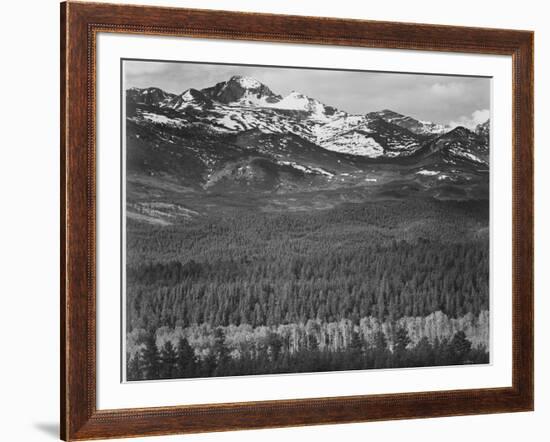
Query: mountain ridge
(239, 136)
(258, 104)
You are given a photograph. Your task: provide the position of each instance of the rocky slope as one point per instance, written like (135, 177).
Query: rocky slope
(239, 135)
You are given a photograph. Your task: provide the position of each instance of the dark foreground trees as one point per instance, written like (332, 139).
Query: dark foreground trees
(181, 362)
(168, 363)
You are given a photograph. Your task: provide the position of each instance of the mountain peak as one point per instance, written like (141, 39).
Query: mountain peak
(241, 90)
(189, 98)
(461, 144)
(190, 94)
(300, 102)
(460, 131)
(389, 113)
(148, 95)
(246, 82)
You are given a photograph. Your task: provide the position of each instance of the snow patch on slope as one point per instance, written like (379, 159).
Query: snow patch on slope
(467, 155)
(247, 82)
(305, 169)
(161, 119)
(356, 143)
(428, 172)
(294, 101)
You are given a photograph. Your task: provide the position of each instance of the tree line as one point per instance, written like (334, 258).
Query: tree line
(331, 336)
(180, 361)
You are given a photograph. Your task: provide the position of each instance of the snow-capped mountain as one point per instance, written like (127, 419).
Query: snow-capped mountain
(243, 103)
(149, 96)
(461, 144)
(249, 92)
(240, 134)
(368, 137)
(191, 98)
(241, 91)
(415, 126)
(300, 102)
(457, 155)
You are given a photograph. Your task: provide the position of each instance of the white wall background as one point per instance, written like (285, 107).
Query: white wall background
(29, 232)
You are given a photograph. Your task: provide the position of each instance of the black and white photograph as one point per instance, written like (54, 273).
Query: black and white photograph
(296, 220)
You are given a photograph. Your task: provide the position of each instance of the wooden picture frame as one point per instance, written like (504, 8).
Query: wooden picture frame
(81, 23)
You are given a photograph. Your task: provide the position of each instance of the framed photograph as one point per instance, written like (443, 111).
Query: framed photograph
(278, 220)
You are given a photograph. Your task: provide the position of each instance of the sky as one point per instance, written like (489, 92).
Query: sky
(450, 100)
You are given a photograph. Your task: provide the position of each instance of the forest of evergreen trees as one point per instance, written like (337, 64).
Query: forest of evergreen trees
(385, 260)
(173, 362)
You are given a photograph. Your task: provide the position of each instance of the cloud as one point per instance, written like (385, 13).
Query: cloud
(471, 121)
(447, 90)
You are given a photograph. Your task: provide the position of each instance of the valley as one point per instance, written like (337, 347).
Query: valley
(280, 234)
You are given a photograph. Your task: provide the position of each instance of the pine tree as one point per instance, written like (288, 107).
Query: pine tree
(150, 358)
(168, 361)
(400, 353)
(220, 351)
(380, 350)
(460, 348)
(186, 362)
(274, 343)
(402, 340)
